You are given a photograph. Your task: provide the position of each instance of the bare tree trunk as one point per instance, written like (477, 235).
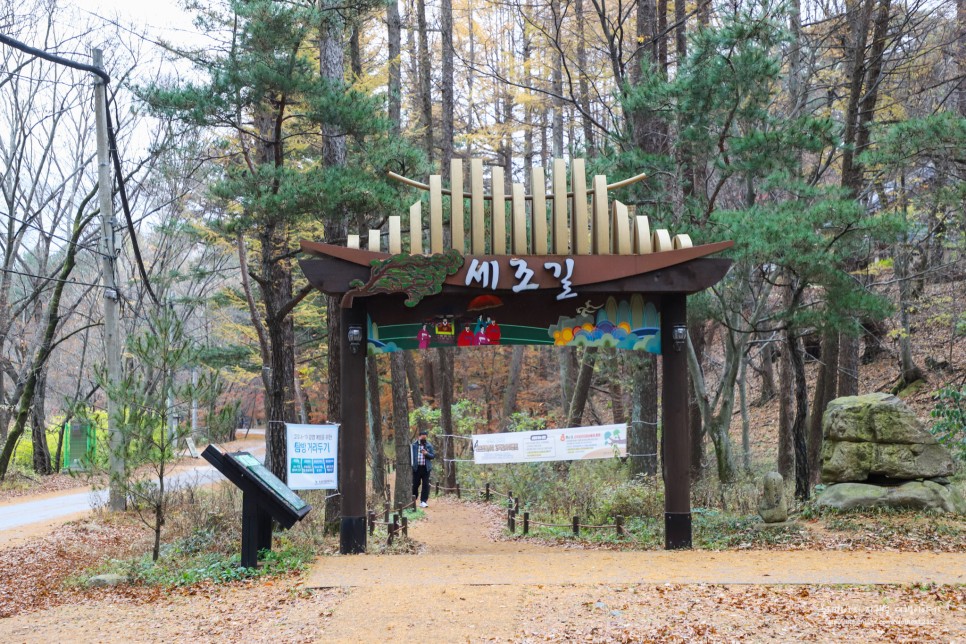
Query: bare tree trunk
(614, 379)
(403, 488)
(425, 79)
(332, 69)
(696, 427)
(565, 362)
(4, 410)
(513, 383)
(745, 422)
(583, 87)
(394, 89)
(447, 357)
(412, 375)
(961, 55)
(825, 387)
(582, 387)
(41, 451)
(909, 371)
(767, 373)
(556, 82)
(786, 402)
(642, 435)
(446, 87)
(377, 456)
(802, 489)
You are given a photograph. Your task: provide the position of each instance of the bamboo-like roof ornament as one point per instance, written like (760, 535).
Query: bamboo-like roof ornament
(580, 219)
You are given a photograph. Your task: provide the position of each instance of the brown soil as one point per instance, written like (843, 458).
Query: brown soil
(464, 585)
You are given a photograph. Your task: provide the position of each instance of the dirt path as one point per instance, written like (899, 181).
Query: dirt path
(464, 586)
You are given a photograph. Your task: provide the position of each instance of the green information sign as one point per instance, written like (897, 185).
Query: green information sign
(275, 484)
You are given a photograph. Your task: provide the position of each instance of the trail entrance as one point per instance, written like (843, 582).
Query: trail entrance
(553, 269)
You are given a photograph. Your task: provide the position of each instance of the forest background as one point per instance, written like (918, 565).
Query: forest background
(826, 139)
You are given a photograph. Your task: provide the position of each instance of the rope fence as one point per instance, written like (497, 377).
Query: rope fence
(398, 524)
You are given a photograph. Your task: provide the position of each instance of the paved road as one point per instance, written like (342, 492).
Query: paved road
(14, 515)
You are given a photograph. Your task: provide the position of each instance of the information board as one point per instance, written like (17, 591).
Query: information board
(571, 444)
(271, 481)
(312, 456)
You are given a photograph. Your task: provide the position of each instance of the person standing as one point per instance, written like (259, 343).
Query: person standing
(422, 454)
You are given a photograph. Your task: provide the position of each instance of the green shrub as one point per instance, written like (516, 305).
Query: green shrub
(950, 414)
(641, 498)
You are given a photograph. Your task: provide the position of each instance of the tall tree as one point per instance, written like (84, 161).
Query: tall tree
(276, 112)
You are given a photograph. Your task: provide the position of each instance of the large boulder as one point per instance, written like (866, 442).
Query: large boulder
(914, 495)
(878, 435)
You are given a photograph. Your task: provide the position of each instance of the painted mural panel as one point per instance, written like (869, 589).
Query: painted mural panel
(629, 322)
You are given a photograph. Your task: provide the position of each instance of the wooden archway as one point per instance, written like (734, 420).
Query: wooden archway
(565, 268)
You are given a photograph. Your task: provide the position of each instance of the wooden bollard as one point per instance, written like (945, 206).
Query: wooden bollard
(372, 522)
(458, 491)
(619, 523)
(405, 526)
(576, 526)
(487, 493)
(392, 530)
(526, 523)
(511, 521)
(437, 488)
(399, 510)
(516, 504)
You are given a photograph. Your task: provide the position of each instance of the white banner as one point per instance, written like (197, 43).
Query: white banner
(312, 456)
(573, 444)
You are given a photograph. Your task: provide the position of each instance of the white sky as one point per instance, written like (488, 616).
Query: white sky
(159, 17)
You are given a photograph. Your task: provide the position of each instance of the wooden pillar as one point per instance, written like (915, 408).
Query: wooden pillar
(674, 397)
(352, 473)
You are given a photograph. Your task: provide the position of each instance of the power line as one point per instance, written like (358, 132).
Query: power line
(52, 235)
(119, 176)
(50, 279)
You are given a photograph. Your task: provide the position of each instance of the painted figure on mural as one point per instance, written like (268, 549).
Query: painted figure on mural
(492, 331)
(466, 338)
(444, 328)
(424, 336)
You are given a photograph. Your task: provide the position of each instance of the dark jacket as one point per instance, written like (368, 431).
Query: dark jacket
(430, 455)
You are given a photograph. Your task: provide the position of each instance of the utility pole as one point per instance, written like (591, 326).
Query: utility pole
(118, 500)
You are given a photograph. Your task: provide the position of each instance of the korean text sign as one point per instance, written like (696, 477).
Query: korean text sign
(312, 456)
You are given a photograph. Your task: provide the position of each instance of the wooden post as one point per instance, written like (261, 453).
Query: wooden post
(526, 523)
(405, 526)
(352, 435)
(511, 522)
(674, 407)
(487, 492)
(385, 512)
(458, 491)
(619, 522)
(437, 488)
(372, 522)
(576, 526)
(516, 504)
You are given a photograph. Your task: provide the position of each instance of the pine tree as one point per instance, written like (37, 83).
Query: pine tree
(273, 114)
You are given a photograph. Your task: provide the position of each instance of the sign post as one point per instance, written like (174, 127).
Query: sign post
(264, 498)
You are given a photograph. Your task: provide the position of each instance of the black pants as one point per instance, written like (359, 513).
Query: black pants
(421, 475)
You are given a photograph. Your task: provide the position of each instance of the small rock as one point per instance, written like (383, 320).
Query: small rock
(772, 507)
(107, 580)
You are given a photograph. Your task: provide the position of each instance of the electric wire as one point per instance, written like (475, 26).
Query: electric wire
(112, 145)
(50, 279)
